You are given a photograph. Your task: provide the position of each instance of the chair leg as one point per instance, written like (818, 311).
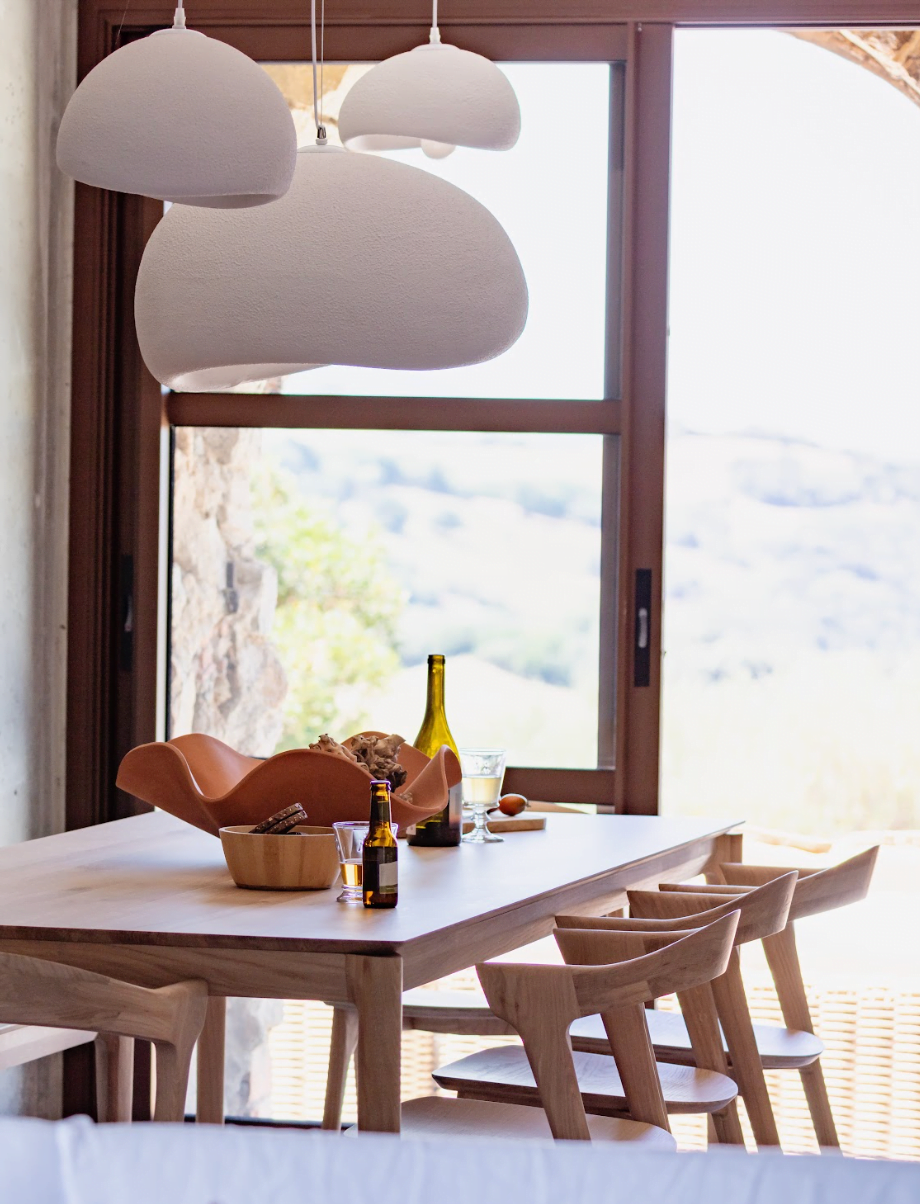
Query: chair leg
(820, 1106)
(341, 1050)
(783, 960)
(747, 1067)
(114, 1078)
(634, 1055)
(697, 1005)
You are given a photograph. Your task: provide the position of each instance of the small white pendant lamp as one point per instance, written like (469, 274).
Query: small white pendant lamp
(181, 117)
(436, 96)
(364, 261)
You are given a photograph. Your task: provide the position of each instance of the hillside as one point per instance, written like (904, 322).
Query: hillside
(792, 612)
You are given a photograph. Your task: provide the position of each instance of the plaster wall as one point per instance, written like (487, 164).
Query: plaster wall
(37, 71)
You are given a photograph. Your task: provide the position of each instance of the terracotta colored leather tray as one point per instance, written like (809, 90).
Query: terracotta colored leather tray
(206, 783)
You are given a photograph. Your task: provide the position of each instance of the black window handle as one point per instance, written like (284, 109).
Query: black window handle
(642, 644)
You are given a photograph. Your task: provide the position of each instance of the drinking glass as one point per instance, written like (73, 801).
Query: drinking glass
(350, 836)
(350, 839)
(483, 769)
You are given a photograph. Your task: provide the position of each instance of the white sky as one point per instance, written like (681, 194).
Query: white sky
(795, 271)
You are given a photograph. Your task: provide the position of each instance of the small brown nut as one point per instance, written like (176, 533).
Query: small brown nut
(512, 804)
(281, 821)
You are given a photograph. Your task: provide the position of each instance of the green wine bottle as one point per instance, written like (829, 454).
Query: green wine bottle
(380, 881)
(446, 827)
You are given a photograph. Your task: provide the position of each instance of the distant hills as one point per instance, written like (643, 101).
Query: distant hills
(792, 608)
(776, 547)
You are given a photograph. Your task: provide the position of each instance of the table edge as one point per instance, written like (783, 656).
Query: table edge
(314, 945)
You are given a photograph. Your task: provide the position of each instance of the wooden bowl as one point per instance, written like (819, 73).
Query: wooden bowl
(260, 862)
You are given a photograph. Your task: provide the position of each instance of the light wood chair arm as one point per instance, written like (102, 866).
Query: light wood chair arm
(658, 963)
(816, 890)
(586, 945)
(763, 911)
(718, 890)
(35, 991)
(609, 970)
(624, 924)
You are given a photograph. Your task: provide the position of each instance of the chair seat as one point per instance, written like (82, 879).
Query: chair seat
(504, 1075)
(779, 1048)
(437, 1116)
(464, 1013)
(445, 1011)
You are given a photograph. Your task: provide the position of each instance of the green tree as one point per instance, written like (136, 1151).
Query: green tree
(338, 608)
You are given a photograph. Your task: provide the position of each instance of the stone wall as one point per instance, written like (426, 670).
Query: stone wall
(225, 677)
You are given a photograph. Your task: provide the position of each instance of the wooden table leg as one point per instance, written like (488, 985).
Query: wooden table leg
(341, 1050)
(375, 988)
(726, 847)
(210, 1103)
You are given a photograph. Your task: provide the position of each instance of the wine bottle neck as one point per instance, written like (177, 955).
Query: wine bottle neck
(435, 700)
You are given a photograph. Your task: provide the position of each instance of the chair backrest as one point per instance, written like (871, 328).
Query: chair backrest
(763, 911)
(541, 1002)
(706, 888)
(35, 991)
(816, 890)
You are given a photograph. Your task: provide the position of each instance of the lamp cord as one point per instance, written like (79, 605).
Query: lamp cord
(179, 18)
(435, 35)
(320, 128)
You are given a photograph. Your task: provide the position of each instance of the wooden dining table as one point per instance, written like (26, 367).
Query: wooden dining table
(149, 899)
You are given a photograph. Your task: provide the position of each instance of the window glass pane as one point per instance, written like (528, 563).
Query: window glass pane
(313, 572)
(793, 567)
(550, 194)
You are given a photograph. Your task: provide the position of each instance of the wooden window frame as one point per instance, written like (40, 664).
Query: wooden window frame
(121, 419)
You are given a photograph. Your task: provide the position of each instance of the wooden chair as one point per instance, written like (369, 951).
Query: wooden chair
(763, 911)
(612, 974)
(794, 1047)
(465, 1013)
(45, 993)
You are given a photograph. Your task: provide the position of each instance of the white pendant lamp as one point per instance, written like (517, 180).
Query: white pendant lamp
(365, 262)
(436, 96)
(181, 117)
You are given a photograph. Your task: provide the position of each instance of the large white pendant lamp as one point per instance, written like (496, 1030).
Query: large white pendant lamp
(436, 96)
(181, 117)
(365, 261)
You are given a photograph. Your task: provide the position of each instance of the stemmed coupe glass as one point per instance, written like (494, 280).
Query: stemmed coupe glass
(483, 770)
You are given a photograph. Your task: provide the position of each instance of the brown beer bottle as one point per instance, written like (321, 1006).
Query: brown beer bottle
(446, 827)
(379, 862)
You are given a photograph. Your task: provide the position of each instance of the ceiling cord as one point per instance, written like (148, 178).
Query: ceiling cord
(320, 129)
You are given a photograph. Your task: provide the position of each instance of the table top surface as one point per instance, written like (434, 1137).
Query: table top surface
(154, 880)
